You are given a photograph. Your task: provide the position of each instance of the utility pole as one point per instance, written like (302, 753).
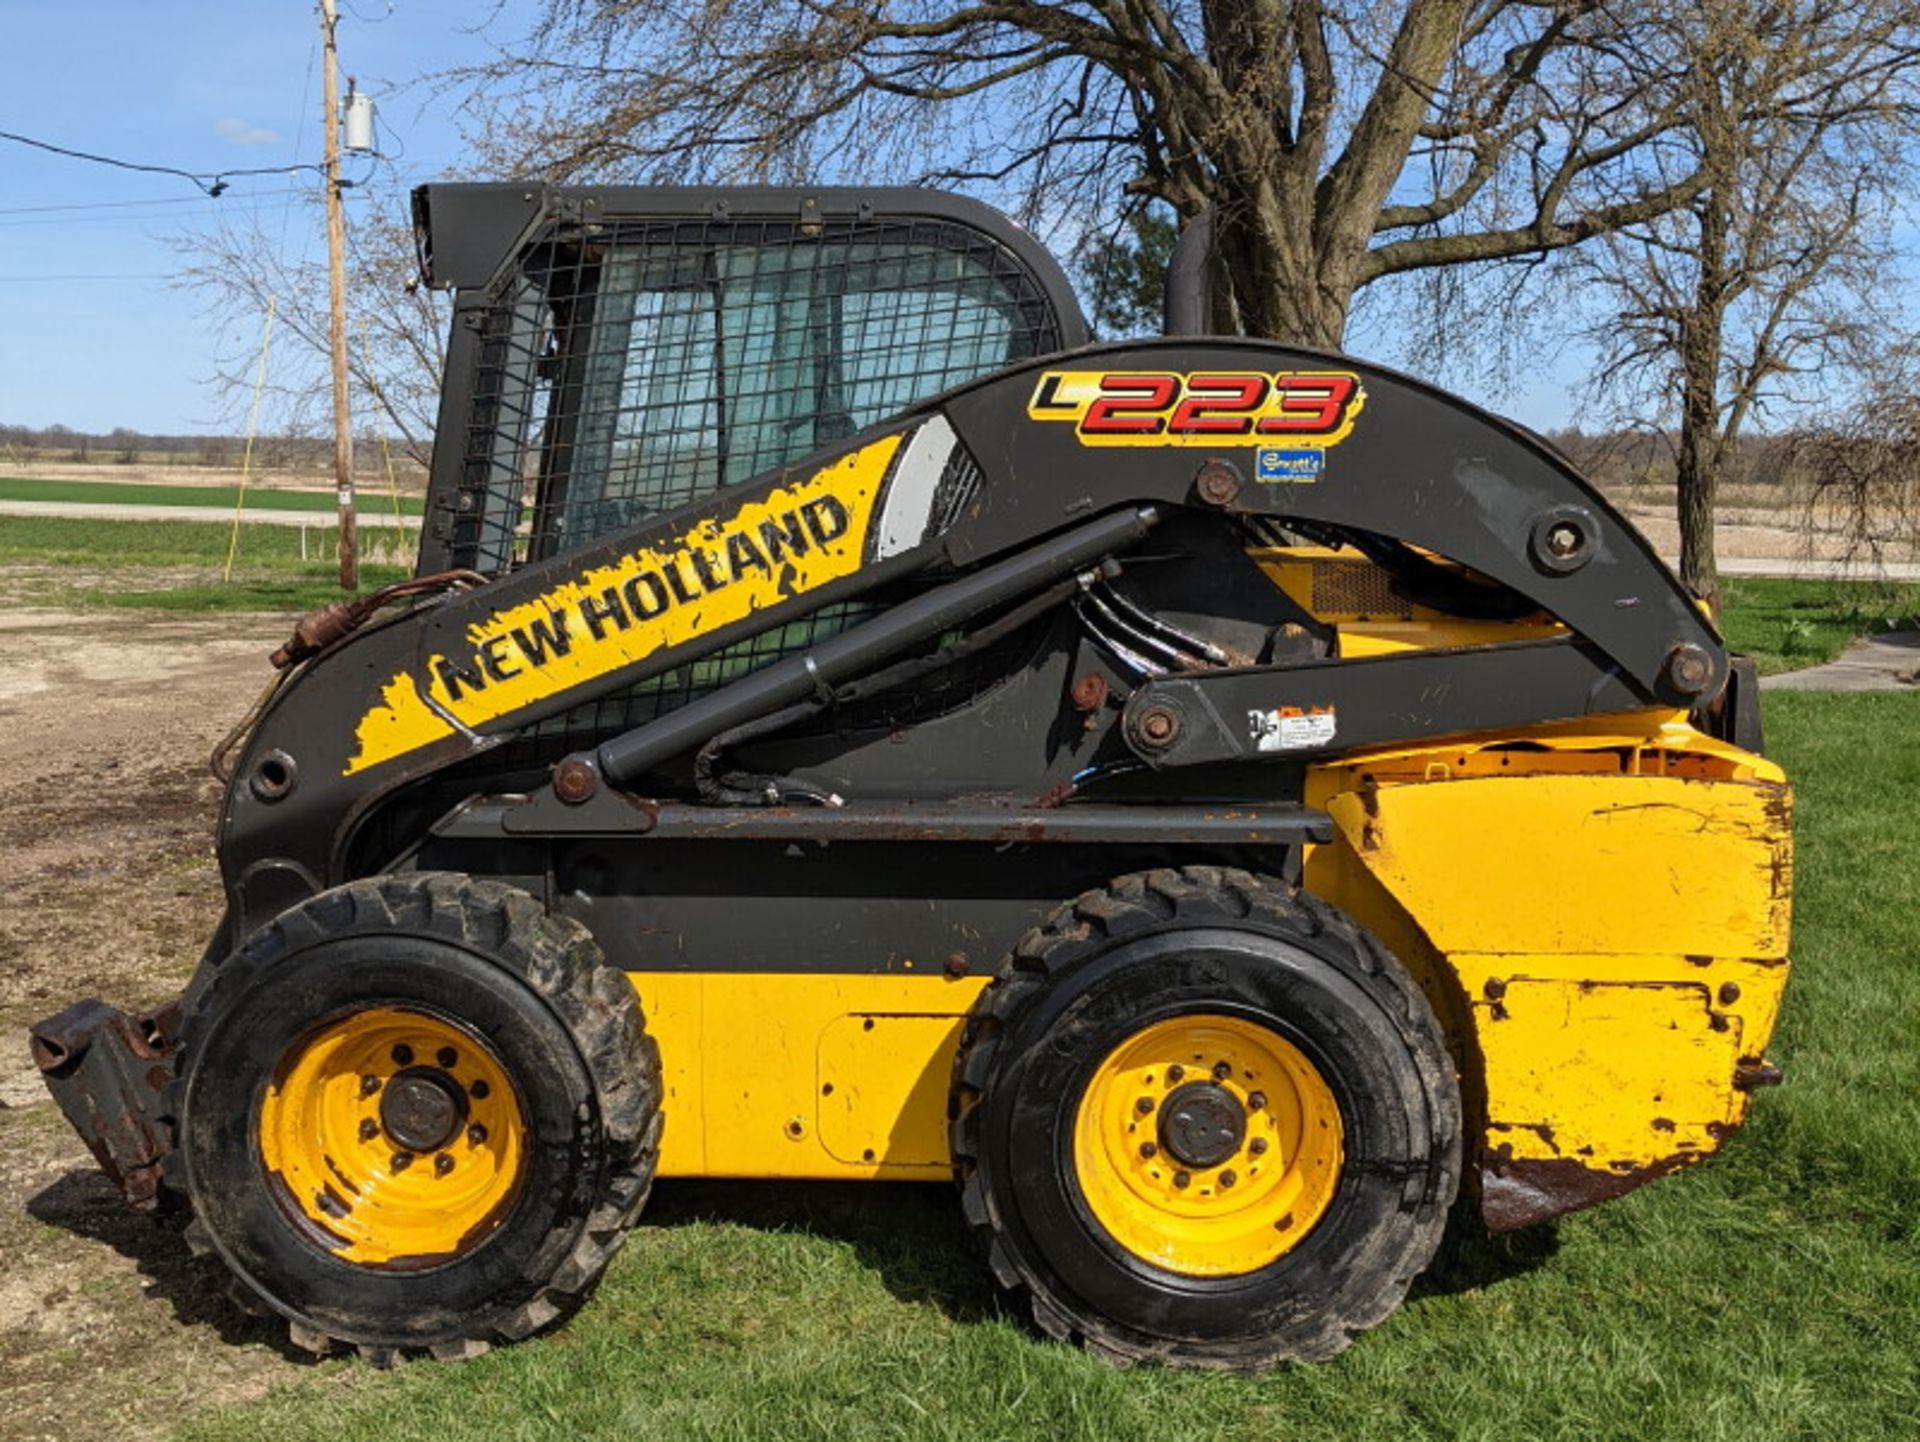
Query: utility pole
(337, 283)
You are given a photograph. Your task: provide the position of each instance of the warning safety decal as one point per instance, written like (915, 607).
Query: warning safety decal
(1289, 728)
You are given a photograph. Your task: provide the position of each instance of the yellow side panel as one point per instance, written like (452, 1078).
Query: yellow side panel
(1605, 947)
(797, 1075)
(1568, 863)
(1610, 1074)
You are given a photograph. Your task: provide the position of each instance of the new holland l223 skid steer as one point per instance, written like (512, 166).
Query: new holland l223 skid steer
(1214, 801)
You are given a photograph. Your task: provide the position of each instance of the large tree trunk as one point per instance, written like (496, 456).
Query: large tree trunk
(1698, 481)
(1284, 288)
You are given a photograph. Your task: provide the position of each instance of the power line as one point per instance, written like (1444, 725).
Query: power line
(213, 182)
(143, 217)
(299, 134)
(136, 275)
(172, 211)
(117, 204)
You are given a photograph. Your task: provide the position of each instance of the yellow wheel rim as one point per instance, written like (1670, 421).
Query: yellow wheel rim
(396, 1135)
(1207, 1146)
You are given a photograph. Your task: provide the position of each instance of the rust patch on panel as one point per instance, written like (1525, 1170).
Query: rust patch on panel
(1517, 1193)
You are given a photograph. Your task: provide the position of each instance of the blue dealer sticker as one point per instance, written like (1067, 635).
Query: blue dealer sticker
(1278, 467)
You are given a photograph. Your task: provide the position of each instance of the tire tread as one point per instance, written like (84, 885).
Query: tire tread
(558, 958)
(1139, 904)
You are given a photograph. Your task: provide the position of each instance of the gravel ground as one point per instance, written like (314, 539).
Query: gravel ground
(108, 1329)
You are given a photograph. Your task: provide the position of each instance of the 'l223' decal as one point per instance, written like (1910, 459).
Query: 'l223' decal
(1205, 408)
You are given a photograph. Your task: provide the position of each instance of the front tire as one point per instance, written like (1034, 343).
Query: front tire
(1205, 1120)
(415, 1113)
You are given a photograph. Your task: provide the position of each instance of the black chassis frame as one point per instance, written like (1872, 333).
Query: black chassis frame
(938, 867)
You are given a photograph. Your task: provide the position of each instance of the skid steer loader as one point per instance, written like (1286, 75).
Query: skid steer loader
(1214, 801)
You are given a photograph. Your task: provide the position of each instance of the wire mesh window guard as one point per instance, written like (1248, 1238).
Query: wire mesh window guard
(641, 365)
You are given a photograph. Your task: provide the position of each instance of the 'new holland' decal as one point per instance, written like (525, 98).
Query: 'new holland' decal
(876, 502)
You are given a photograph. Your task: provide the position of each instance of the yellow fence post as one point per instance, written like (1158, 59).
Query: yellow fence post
(246, 454)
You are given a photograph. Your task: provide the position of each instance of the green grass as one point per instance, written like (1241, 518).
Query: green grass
(77, 541)
(1773, 1293)
(269, 572)
(374, 497)
(1785, 625)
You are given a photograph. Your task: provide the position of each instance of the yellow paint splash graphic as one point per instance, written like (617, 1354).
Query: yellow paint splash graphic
(797, 538)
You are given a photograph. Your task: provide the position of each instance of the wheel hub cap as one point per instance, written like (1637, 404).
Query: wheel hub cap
(422, 1109)
(1202, 1124)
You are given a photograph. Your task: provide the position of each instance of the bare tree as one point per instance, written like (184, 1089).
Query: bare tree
(1339, 143)
(397, 327)
(1762, 288)
(1862, 464)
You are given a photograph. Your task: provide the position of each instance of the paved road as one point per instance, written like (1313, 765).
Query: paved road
(1872, 663)
(1788, 568)
(371, 514)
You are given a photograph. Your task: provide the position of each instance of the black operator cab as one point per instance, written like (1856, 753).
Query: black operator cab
(618, 352)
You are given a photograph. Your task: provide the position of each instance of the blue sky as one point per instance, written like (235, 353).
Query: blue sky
(93, 333)
(194, 84)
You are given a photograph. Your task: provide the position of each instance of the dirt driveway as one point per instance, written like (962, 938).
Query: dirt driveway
(108, 1328)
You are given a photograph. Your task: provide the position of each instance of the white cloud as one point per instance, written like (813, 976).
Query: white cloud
(238, 132)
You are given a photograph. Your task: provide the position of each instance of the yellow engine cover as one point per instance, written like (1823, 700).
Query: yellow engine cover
(1602, 922)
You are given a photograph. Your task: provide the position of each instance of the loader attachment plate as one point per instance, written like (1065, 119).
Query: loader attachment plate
(107, 1070)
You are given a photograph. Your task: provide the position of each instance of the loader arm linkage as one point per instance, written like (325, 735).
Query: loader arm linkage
(1402, 460)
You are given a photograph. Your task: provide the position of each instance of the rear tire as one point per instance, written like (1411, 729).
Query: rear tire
(1139, 1223)
(397, 1202)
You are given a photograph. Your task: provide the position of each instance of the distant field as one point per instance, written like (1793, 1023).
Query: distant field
(374, 501)
(1783, 624)
(177, 565)
(76, 541)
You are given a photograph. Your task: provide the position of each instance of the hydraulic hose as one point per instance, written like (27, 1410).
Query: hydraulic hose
(626, 757)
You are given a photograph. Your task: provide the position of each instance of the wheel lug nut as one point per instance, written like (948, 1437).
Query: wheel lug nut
(1221, 1071)
(447, 1057)
(1257, 1100)
(369, 1129)
(1227, 1178)
(1149, 1150)
(1180, 1179)
(1257, 1146)
(403, 1055)
(369, 1085)
(1175, 1072)
(402, 1160)
(479, 1091)
(476, 1134)
(1144, 1105)
(442, 1164)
